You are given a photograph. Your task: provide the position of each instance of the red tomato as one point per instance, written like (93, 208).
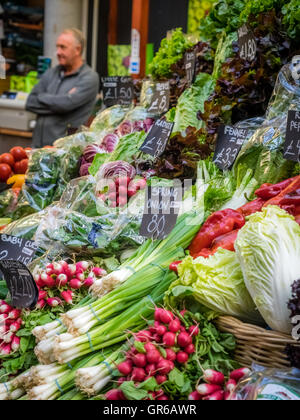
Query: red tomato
(5, 172)
(21, 167)
(18, 153)
(8, 159)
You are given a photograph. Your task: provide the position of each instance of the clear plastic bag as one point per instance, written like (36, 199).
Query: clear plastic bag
(109, 119)
(269, 384)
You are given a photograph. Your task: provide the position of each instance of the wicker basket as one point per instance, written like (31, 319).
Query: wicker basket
(255, 344)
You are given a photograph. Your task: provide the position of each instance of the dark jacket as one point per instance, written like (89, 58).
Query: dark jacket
(59, 110)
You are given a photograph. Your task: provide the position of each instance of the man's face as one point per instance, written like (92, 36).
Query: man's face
(67, 50)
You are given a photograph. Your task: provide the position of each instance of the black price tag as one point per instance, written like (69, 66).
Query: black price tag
(18, 249)
(21, 285)
(190, 66)
(247, 43)
(161, 211)
(157, 138)
(229, 143)
(4, 187)
(292, 138)
(160, 101)
(117, 90)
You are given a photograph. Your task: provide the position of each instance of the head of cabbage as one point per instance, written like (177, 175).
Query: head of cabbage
(268, 249)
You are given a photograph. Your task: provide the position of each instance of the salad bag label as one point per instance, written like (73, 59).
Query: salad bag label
(277, 392)
(160, 101)
(247, 43)
(190, 66)
(21, 285)
(18, 249)
(117, 90)
(161, 211)
(229, 143)
(157, 138)
(292, 138)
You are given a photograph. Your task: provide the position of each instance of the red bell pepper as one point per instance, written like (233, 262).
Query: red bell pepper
(217, 224)
(284, 194)
(226, 241)
(174, 266)
(268, 191)
(252, 207)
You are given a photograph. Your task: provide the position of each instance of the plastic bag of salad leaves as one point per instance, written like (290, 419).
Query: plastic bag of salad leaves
(266, 384)
(84, 224)
(109, 119)
(8, 202)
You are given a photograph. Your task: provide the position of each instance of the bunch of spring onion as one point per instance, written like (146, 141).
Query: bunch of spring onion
(91, 380)
(50, 382)
(12, 390)
(68, 347)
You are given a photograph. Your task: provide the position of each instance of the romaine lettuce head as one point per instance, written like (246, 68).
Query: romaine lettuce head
(217, 283)
(268, 249)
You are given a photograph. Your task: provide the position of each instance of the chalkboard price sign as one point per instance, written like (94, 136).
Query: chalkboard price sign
(160, 101)
(161, 211)
(247, 43)
(117, 90)
(21, 285)
(190, 66)
(18, 249)
(292, 138)
(157, 138)
(229, 143)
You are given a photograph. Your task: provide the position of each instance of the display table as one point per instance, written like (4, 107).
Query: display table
(10, 138)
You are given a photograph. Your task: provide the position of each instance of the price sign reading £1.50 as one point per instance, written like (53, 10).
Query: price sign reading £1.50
(161, 211)
(117, 91)
(157, 138)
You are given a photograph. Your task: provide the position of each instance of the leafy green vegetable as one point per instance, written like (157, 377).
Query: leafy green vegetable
(291, 18)
(268, 249)
(217, 283)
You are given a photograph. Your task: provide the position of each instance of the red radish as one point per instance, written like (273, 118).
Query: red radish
(75, 284)
(230, 385)
(138, 374)
(49, 267)
(5, 308)
(58, 269)
(182, 328)
(125, 368)
(122, 201)
(157, 313)
(190, 349)
(163, 398)
(61, 280)
(169, 339)
(39, 281)
(82, 265)
(153, 356)
(41, 304)
(150, 369)
(194, 330)
(213, 377)
(183, 312)
(42, 294)
(49, 281)
(8, 337)
(184, 339)
(99, 272)
(121, 380)
(160, 379)
(6, 349)
(141, 184)
(149, 347)
(194, 396)
(54, 302)
(171, 364)
(139, 360)
(114, 395)
(171, 355)
(174, 325)
(207, 389)
(143, 336)
(80, 277)
(14, 314)
(64, 265)
(216, 396)
(71, 270)
(123, 191)
(239, 373)
(15, 344)
(15, 326)
(182, 357)
(161, 330)
(3, 317)
(67, 296)
(164, 366)
(227, 395)
(89, 282)
(157, 338)
(166, 317)
(132, 190)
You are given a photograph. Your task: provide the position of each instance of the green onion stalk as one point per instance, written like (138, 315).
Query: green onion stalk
(68, 347)
(50, 382)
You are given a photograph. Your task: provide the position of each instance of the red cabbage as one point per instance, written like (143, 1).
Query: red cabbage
(110, 142)
(91, 151)
(84, 169)
(115, 169)
(125, 128)
(148, 122)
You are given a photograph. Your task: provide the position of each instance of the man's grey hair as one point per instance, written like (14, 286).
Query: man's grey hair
(78, 35)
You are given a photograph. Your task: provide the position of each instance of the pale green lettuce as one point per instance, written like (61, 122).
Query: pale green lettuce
(268, 249)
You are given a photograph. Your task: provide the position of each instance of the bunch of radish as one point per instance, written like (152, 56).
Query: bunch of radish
(121, 189)
(10, 323)
(65, 279)
(160, 348)
(215, 386)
